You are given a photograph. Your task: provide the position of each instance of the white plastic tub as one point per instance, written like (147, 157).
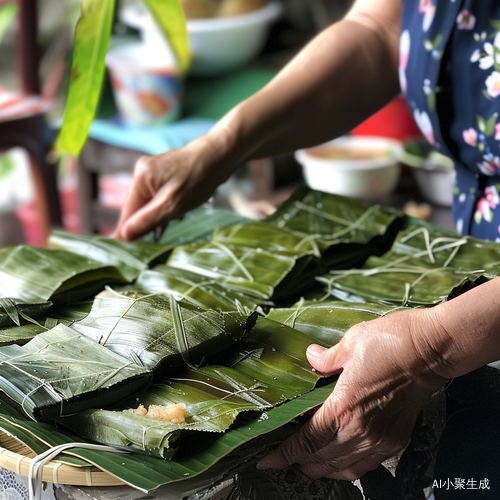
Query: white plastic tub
(370, 172)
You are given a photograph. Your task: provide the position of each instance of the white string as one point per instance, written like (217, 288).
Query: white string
(37, 463)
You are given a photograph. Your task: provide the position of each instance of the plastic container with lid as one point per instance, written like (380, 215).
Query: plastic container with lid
(147, 86)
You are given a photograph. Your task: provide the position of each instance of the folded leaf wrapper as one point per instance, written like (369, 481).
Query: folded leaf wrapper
(156, 331)
(423, 268)
(196, 288)
(129, 257)
(60, 372)
(326, 322)
(257, 374)
(31, 278)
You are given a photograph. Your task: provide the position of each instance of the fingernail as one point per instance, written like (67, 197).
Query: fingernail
(315, 350)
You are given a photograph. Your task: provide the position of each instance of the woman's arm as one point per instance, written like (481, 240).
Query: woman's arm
(389, 368)
(343, 76)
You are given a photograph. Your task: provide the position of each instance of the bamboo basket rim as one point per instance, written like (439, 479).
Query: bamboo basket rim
(55, 471)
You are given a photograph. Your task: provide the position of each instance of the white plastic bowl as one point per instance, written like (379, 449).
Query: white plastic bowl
(369, 178)
(218, 45)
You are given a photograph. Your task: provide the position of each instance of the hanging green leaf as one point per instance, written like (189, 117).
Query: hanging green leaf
(169, 16)
(8, 13)
(90, 46)
(129, 257)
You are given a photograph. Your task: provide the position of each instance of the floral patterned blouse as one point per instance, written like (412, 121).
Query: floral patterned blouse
(450, 74)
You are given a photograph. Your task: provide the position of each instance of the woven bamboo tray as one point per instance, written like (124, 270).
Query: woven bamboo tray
(16, 457)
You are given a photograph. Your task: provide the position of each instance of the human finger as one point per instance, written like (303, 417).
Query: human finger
(140, 193)
(326, 361)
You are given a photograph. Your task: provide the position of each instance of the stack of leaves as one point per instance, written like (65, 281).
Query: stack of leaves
(265, 369)
(32, 278)
(121, 343)
(200, 290)
(60, 372)
(347, 230)
(158, 332)
(424, 267)
(129, 257)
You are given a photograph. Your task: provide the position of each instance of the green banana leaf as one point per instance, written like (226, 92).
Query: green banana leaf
(19, 334)
(169, 16)
(197, 224)
(12, 310)
(357, 227)
(29, 327)
(60, 372)
(256, 375)
(129, 257)
(145, 435)
(435, 249)
(32, 275)
(326, 322)
(156, 331)
(423, 268)
(201, 451)
(8, 13)
(198, 289)
(90, 46)
(255, 272)
(270, 238)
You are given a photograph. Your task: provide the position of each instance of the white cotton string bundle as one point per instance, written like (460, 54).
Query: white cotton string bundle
(37, 463)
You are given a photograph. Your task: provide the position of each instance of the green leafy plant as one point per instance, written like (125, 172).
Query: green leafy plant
(90, 46)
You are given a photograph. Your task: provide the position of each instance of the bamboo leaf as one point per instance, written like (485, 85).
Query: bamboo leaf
(87, 71)
(170, 17)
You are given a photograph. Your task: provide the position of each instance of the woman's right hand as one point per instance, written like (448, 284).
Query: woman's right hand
(168, 185)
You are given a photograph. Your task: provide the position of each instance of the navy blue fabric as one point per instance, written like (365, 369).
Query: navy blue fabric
(450, 74)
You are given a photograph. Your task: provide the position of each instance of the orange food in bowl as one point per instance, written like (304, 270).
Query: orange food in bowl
(348, 153)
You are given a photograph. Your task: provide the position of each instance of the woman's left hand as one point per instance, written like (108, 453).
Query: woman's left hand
(386, 378)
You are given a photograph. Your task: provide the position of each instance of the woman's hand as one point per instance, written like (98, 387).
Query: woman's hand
(386, 377)
(167, 185)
